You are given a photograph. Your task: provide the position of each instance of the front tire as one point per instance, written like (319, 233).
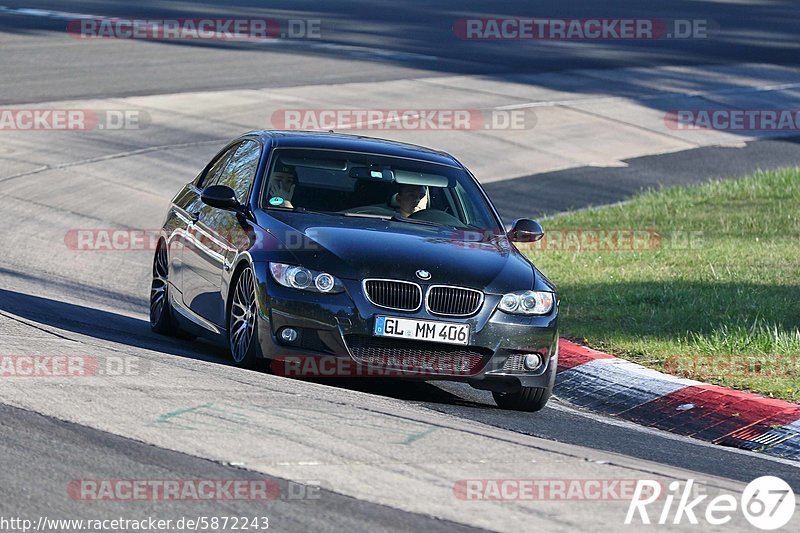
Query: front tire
(161, 319)
(243, 321)
(530, 399)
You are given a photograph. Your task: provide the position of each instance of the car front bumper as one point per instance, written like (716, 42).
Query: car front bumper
(340, 327)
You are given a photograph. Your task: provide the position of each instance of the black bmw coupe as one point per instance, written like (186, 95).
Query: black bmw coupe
(373, 253)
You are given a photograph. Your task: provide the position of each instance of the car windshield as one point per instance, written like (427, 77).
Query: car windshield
(356, 184)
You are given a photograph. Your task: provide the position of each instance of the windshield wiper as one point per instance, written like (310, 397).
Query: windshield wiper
(367, 215)
(304, 210)
(396, 218)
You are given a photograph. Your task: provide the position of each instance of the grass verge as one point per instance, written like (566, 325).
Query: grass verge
(702, 281)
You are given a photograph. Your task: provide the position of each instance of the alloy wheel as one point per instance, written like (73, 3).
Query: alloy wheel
(158, 290)
(243, 316)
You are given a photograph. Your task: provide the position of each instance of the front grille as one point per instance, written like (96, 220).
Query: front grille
(391, 294)
(453, 301)
(417, 356)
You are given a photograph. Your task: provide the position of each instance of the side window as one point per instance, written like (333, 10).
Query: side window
(212, 176)
(240, 170)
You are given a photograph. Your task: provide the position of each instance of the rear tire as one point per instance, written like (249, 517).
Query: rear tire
(161, 319)
(530, 399)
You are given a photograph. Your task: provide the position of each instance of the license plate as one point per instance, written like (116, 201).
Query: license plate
(424, 330)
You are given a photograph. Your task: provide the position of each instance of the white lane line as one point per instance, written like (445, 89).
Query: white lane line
(358, 52)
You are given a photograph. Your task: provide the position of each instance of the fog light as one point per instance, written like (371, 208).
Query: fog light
(288, 334)
(532, 361)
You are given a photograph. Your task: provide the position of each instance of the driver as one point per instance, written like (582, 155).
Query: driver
(281, 186)
(411, 198)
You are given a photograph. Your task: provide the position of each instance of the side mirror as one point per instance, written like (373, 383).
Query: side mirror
(526, 230)
(220, 196)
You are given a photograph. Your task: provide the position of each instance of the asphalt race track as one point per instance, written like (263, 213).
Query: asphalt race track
(352, 455)
(388, 40)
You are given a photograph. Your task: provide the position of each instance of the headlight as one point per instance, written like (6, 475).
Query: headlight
(527, 302)
(297, 277)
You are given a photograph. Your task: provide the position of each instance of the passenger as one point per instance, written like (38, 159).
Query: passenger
(410, 199)
(281, 186)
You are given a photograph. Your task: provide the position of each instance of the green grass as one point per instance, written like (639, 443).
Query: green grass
(716, 295)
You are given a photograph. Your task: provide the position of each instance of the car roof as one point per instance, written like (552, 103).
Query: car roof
(353, 143)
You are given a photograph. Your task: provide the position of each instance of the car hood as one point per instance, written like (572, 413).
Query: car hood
(359, 248)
